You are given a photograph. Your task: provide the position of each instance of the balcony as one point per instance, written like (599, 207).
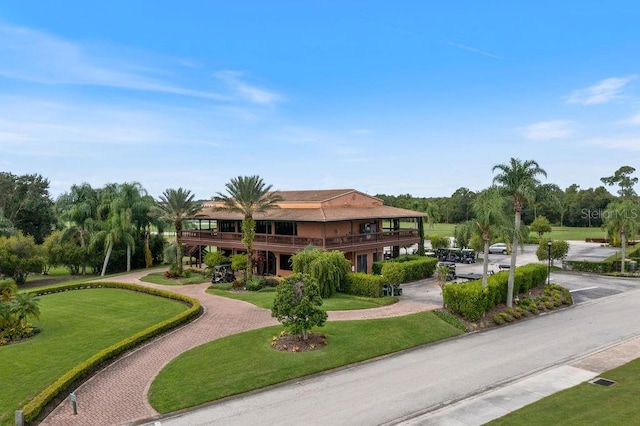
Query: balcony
(290, 242)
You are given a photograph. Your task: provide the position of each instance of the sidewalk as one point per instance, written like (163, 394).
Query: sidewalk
(500, 401)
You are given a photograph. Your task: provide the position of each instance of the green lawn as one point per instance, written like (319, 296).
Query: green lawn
(246, 361)
(557, 232)
(586, 403)
(337, 302)
(75, 325)
(159, 278)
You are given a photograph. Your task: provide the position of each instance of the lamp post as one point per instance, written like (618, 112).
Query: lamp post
(549, 244)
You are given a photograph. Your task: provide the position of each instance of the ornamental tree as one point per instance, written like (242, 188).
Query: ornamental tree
(297, 304)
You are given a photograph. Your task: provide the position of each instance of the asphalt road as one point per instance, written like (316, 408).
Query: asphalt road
(397, 388)
(404, 386)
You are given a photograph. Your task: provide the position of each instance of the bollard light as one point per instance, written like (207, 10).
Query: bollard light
(74, 402)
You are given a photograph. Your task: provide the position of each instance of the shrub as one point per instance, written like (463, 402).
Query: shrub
(361, 284)
(297, 304)
(215, 258)
(470, 300)
(409, 270)
(239, 262)
(597, 267)
(255, 283)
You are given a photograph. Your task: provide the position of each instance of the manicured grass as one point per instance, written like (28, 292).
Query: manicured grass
(159, 278)
(586, 403)
(75, 325)
(573, 233)
(246, 361)
(337, 302)
(557, 232)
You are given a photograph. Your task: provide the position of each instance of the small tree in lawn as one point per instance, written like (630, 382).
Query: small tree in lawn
(540, 225)
(559, 250)
(297, 304)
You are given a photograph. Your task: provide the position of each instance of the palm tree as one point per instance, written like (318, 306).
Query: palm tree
(432, 214)
(248, 195)
(117, 229)
(489, 212)
(518, 180)
(621, 219)
(177, 205)
(79, 207)
(24, 305)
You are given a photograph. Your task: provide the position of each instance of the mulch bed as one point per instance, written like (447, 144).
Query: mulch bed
(292, 343)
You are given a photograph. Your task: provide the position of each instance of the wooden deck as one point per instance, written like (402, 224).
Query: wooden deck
(269, 241)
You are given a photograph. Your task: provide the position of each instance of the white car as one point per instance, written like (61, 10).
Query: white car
(498, 248)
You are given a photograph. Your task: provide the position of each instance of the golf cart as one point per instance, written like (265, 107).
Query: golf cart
(223, 274)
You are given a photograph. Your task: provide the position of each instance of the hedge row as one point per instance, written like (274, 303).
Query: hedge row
(602, 267)
(407, 271)
(361, 284)
(376, 268)
(471, 300)
(93, 364)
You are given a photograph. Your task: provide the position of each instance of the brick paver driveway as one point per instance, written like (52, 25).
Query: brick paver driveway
(118, 393)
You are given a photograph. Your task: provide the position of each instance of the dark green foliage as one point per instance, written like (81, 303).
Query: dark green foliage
(25, 202)
(559, 250)
(19, 257)
(254, 283)
(409, 270)
(297, 304)
(471, 301)
(329, 268)
(602, 267)
(362, 284)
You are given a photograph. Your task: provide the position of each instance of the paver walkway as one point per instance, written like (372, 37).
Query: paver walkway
(118, 393)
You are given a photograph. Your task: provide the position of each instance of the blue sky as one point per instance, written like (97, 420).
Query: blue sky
(418, 97)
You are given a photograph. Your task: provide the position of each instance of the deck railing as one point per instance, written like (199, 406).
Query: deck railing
(215, 238)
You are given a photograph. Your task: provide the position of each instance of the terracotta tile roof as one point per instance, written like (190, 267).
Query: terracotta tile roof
(316, 206)
(331, 214)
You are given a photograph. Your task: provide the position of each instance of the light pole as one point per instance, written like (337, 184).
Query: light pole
(549, 244)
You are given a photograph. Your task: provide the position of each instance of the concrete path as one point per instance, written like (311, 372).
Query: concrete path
(118, 393)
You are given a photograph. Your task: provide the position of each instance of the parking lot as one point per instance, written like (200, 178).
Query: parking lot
(583, 287)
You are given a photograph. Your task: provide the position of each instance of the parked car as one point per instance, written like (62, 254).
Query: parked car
(498, 248)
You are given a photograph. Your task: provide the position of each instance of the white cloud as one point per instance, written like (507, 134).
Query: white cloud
(545, 130)
(34, 56)
(253, 94)
(627, 143)
(634, 120)
(603, 92)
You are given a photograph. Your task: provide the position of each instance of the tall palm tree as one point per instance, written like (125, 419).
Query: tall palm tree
(79, 208)
(518, 180)
(177, 205)
(621, 220)
(116, 229)
(248, 195)
(489, 211)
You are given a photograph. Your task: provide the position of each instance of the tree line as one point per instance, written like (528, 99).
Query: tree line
(572, 206)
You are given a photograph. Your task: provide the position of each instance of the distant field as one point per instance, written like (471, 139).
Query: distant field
(557, 233)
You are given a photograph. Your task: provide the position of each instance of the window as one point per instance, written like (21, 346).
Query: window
(285, 262)
(227, 226)
(361, 263)
(286, 228)
(263, 227)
